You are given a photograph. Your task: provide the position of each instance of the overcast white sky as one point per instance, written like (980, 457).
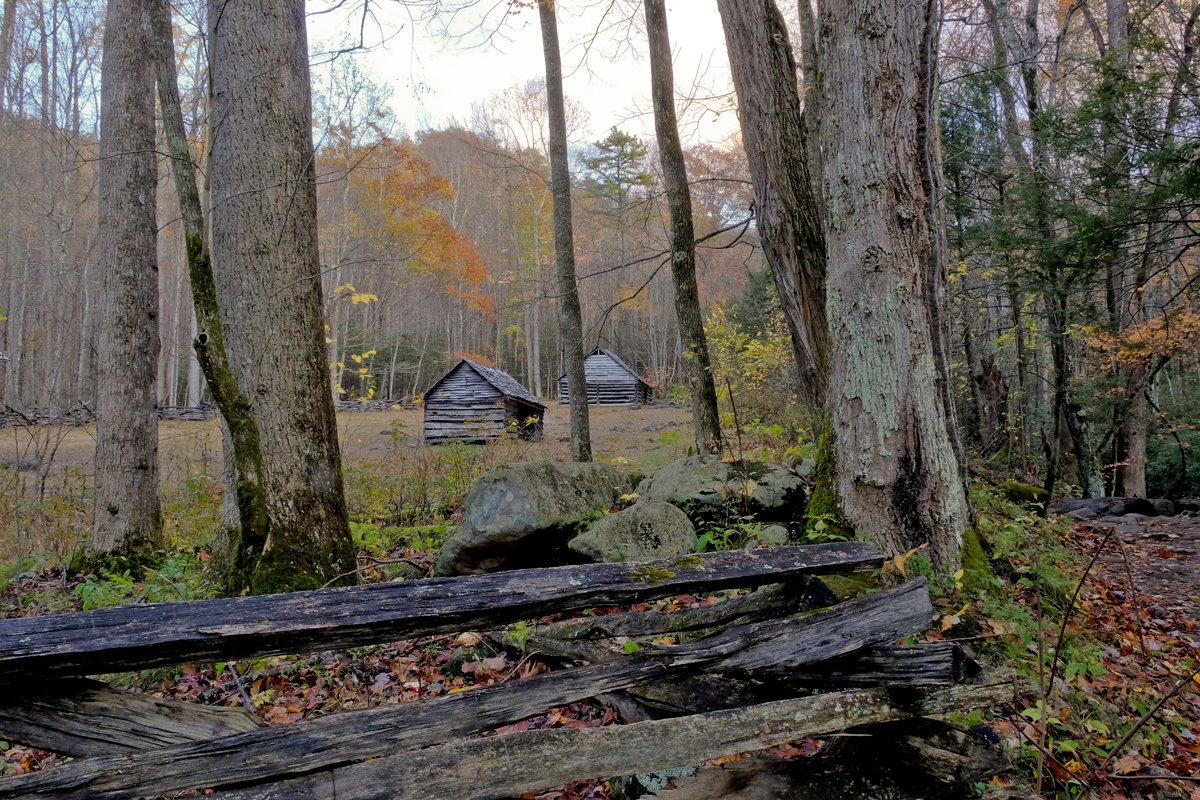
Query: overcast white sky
(434, 80)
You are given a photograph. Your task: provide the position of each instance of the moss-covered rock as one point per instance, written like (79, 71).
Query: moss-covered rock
(847, 587)
(976, 564)
(642, 532)
(1023, 493)
(703, 483)
(523, 516)
(276, 573)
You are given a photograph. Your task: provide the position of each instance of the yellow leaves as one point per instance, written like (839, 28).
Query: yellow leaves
(950, 620)
(356, 297)
(900, 560)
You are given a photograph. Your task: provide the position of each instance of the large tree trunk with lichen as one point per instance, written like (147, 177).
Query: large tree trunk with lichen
(210, 339)
(268, 282)
(683, 245)
(787, 207)
(571, 325)
(898, 465)
(127, 518)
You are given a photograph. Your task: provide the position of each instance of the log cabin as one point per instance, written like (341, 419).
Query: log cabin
(473, 403)
(610, 382)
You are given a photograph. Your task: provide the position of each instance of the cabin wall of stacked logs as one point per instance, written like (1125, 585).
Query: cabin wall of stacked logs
(134, 745)
(465, 407)
(608, 383)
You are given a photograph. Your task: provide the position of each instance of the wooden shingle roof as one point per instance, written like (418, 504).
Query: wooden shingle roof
(500, 379)
(615, 359)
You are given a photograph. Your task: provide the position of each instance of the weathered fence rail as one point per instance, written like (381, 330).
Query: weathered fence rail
(151, 747)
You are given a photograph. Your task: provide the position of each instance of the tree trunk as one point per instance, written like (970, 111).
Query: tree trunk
(899, 472)
(6, 39)
(127, 518)
(786, 206)
(209, 343)
(683, 245)
(267, 279)
(564, 238)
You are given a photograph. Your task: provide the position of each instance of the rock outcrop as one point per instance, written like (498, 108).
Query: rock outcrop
(523, 516)
(698, 483)
(642, 532)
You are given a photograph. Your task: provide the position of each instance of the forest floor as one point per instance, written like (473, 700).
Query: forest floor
(1139, 645)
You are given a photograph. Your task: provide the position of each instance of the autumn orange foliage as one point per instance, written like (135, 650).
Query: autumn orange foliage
(476, 357)
(397, 193)
(1173, 332)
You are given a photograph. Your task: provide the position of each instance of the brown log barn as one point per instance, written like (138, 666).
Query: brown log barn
(472, 403)
(610, 382)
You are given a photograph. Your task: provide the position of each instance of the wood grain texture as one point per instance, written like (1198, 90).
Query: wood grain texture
(610, 382)
(286, 751)
(81, 717)
(928, 664)
(517, 763)
(140, 637)
(766, 603)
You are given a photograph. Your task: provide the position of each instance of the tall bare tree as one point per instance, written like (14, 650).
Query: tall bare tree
(899, 471)
(210, 339)
(564, 238)
(268, 284)
(683, 246)
(786, 204)
(127, 517)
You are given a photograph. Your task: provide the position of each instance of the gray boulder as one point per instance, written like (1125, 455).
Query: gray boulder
(697, 483)
(642, 532)
(522, 516)
(1105, 506)
(1164, 507)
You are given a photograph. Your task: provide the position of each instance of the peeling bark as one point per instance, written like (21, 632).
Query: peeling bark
(786, 205)
(899, 470)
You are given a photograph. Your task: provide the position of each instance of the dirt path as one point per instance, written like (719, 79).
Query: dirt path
(1163, 558)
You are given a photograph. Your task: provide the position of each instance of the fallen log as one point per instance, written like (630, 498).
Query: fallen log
(81, 717)
(516, 763)
(766, 603)
(928, 664)
(916, 758)
(339, 739)
(896, 666)
(144, 636)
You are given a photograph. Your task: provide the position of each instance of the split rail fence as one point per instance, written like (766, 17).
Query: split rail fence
(128, 745)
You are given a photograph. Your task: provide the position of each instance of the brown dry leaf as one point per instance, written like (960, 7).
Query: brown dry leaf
(1127, 764)
(727, 759)
(469, 639)
(901, 559)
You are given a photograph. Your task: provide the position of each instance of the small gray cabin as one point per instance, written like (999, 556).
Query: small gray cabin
(472, 403)
(610, 382)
